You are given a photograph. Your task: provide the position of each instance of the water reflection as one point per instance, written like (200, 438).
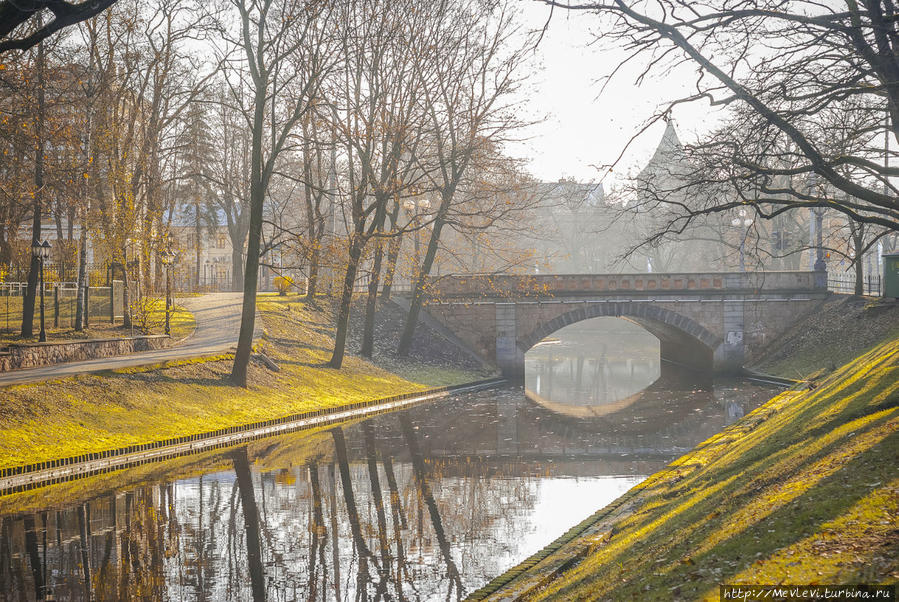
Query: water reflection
(593, 363)
(429, 503)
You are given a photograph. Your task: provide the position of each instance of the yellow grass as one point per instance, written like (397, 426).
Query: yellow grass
(99, 327)
(91, 413)
(805, 490)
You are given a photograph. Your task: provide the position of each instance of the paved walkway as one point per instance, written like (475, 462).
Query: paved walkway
(218, 325)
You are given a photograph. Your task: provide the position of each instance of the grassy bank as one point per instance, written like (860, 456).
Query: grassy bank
(838, 331)
(91, 413)
(151, 320)
(803, 490)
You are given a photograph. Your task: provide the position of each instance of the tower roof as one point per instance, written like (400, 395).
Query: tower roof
(667, 156)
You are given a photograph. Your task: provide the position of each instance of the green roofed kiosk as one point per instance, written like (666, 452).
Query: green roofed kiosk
(891, 275)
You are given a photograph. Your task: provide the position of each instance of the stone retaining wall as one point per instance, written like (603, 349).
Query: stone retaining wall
(30, 355)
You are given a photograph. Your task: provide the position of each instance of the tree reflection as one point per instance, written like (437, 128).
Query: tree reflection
(431, 502)
(84, 533)
(384, 546)
(318, 533)
(34, 557)
(363, 553)
(418, 466)
(250, 521)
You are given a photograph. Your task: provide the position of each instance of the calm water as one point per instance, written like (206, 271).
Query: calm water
(429, 503)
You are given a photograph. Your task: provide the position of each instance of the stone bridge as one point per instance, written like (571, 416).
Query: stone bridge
(712, 321)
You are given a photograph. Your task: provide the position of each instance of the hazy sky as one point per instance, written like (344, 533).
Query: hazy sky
(584, 129)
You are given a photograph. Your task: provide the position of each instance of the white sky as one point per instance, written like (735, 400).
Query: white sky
(583, 130)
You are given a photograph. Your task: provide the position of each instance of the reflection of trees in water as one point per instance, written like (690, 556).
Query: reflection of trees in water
(381, 518)
(110, 548)
(251, 522)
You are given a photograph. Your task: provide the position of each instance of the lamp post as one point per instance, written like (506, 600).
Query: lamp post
(41, 251)
(168, 258)
(742, 221)
(820, 264)
(816, 230)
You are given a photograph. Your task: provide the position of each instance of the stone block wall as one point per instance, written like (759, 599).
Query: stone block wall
(30, 355)
(548, 286)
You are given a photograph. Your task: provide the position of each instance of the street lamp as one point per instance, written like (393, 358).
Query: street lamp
(820, 264)
(41, 252)
(743, 221)
(168, 258)
(816, 227)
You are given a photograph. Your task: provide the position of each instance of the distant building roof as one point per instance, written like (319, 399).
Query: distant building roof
(575, 195)
(668, 159)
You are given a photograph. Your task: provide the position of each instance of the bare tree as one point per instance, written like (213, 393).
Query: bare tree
(276, 99)
(17, 13)
(781, 68)
(378, 125)
(468, 91)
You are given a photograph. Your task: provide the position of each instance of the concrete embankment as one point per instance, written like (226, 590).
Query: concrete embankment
(804, 490)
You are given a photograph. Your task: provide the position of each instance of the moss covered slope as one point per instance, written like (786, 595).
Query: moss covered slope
(805, 490)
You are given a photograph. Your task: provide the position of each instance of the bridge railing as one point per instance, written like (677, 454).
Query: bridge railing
(844, 283)
(536, 285)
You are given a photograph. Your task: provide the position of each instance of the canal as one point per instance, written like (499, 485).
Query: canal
(421, 504)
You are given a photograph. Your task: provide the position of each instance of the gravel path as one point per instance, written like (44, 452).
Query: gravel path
(218, 324)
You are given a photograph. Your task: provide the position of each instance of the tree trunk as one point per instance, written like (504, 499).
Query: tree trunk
(81, 293)
(857, 235)
(312, 279)
(371, 304)
(251, 278)
(5, 247)
(254, 240)
(198, 233)
(393, 253)
(419, 292)
(314, 234)
(346, 300)
(859, 276)
(34, 268)
(236, 269)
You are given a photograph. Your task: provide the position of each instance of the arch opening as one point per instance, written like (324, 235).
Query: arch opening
(682, 341)
(597, 364)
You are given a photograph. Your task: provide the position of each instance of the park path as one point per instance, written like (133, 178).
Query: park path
(217, 317)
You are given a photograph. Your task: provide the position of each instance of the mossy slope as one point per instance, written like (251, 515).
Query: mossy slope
(805, 490)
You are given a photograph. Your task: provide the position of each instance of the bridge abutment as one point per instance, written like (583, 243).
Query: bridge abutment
(509, 356)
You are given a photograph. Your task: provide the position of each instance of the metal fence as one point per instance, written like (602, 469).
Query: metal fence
(55, 273)
(844, 283)
(362, 281)
(104, 304)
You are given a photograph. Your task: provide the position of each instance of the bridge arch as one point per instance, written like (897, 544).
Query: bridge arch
(682, 339)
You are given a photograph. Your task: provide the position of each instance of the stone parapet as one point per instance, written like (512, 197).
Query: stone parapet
(31, 355)
(546, 286)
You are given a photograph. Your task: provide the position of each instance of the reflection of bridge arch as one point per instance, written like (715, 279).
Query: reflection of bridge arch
(683, 340)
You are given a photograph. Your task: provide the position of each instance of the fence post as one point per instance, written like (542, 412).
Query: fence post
(111, 301)
(56, 306)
